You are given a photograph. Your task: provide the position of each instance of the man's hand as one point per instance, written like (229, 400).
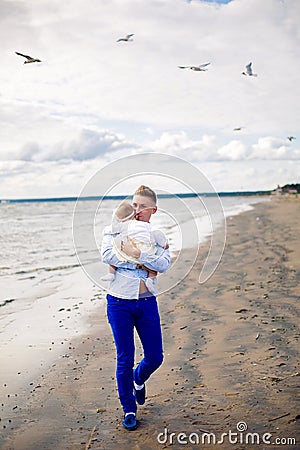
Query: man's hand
(130, 248)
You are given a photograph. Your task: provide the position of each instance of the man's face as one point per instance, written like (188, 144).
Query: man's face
(144, 208)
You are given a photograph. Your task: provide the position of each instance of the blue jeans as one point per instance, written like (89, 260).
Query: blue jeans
(123, 316)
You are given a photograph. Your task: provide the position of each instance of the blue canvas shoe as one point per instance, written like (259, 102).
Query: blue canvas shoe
(129, 422)
(140, 394)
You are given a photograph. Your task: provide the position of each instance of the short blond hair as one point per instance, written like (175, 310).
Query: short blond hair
(124, 211)
(145, 191)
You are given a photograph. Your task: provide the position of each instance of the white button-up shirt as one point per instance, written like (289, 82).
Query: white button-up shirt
(126, 283)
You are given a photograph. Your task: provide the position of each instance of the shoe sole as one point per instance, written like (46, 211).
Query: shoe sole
(132, 428)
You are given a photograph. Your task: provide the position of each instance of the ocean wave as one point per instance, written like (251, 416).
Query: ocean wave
(47, 269)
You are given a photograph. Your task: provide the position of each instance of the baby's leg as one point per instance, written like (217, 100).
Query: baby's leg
(111, 274)
(150, 281)
(151, 274)
(112, 269)
(160, 238)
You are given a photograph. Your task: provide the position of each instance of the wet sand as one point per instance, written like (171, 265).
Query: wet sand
(231, 356)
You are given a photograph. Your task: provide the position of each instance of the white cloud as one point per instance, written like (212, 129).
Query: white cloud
(273, 148)
(234, 150)
(89, 145)
(207, 149)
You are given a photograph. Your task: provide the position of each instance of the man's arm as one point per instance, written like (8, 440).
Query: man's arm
(108, 256)
(160, 262)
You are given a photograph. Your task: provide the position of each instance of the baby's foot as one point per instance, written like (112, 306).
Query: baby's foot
(108, 277)
(150, 285)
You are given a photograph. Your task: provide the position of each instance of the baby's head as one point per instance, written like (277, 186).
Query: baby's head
(124, 212)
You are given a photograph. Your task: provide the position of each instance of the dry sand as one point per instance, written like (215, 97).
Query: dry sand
(231, 355)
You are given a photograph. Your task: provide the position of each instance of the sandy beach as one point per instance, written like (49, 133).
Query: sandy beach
(231, 358)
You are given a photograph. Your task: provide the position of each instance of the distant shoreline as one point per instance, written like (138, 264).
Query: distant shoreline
(123, 197)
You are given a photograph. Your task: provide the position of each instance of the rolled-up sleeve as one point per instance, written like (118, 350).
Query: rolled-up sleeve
(160, 262)
(108, 256)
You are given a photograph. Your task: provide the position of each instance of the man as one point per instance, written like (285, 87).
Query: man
(130, 305)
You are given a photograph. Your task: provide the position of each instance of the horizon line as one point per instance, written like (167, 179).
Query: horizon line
(123, 196)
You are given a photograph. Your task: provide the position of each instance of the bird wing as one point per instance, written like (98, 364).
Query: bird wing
(25, 56)
(184, 67)
(204, 65)
(128, 36)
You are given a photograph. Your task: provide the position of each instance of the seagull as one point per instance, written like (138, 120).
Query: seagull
(249, 71)
(290, 138)
(126, 38)
(199, 68)
(29, 59)
(238, 128)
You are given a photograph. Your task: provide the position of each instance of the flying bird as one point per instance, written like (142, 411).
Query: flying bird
(238, 128)
(290, 138)
(249, 71)
(200, 68)
(126, 38)
(29, 59)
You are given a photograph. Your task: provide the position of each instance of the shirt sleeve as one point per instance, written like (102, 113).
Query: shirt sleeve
(108, 230)
(160, 262)
(108, 255)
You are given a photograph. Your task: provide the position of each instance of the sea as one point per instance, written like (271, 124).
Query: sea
(51, 268)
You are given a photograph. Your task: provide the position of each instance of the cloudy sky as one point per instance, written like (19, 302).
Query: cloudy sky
(93, 100)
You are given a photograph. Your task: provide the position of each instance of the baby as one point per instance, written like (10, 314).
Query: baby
(124, 225)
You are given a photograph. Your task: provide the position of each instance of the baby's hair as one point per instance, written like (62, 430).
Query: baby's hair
(145, 191)
(124, 211)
